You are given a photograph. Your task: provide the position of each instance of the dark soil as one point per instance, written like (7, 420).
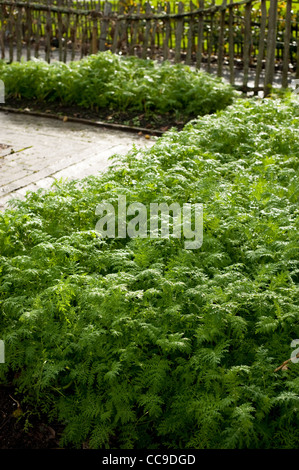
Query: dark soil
(150, 122)
(20, 428)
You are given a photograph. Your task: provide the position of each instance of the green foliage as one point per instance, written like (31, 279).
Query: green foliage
(108, 81)
(140, 343)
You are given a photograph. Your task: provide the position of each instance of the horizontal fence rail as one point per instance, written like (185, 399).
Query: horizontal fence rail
(245, 39)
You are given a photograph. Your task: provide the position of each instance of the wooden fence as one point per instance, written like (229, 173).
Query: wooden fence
(243, 39)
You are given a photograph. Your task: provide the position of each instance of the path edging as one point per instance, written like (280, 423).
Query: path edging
(66, 118)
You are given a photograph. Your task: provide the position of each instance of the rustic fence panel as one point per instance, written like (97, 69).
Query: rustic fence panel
(242, 39)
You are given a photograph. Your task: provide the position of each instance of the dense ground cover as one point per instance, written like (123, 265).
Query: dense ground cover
(106, 81)
(141, 343)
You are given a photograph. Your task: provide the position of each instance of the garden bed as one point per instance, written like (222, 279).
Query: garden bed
(127, 91)
(152, 124)
(139, 342)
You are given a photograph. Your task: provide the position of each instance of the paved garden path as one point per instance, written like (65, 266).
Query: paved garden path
(35, 151)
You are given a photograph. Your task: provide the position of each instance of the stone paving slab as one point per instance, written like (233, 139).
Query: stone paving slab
(35, 151)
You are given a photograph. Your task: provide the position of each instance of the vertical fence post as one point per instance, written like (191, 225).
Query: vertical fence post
(117, 30)
(167, 34)
(48, 30)
(261, 46)
(200, 35)
(247, 44)
(104, 26)
(59, 31)
(74, 36)
(81, 36)
(134, 33)
(211, 39)
(37, 36)
(84, 33)
(231, 45)
(123, 34)
(221, 39)
(190, 36)
(19, 33)
(11, 26)
(67, 27)
(271, 46)
(95, 32)
(287, 39)
(179, 34)
(29, 30)
(2, 33)
(154, 34)
(148, 11)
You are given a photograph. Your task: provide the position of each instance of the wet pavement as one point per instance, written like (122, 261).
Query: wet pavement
(35, 151)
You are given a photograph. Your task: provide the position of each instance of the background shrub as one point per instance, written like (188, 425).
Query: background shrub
(108, 81)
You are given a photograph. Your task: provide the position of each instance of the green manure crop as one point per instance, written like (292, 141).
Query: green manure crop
(140, 343)
(110, 82)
